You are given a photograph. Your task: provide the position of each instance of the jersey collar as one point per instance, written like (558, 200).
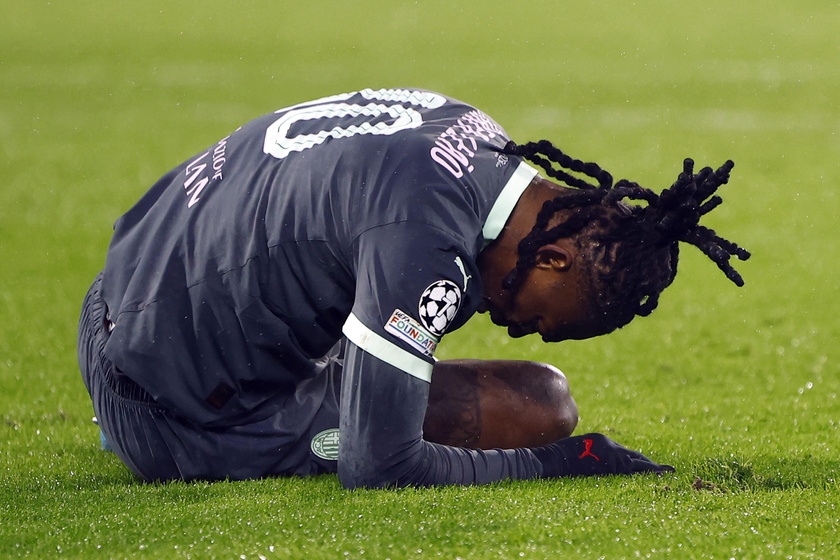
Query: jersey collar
(503, 207)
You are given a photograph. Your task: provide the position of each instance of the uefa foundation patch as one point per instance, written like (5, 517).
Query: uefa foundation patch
(404, 327)
(325, 444)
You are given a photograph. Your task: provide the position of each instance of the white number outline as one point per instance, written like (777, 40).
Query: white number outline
(278, 144)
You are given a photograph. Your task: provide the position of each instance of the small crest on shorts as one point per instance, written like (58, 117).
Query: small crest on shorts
(439, 305)
(325, 444)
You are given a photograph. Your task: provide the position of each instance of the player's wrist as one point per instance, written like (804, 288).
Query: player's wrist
(553, 460)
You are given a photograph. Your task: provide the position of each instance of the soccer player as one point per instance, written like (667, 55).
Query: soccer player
(272, 306)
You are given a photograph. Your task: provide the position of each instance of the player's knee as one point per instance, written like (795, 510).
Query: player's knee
(557, 408)
(499, 403)
(538, 404)
(565, 418)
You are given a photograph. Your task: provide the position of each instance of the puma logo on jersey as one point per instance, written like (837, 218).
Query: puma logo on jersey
(463, 270)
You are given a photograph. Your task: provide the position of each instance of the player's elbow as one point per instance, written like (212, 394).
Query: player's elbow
(353, 475)
(399, 467)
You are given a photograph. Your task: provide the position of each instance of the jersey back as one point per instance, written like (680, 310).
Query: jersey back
(360, 214)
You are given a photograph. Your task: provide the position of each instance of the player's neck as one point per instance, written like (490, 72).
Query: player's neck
(499, 258)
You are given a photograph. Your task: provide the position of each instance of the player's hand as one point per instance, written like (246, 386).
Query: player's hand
(593, 454)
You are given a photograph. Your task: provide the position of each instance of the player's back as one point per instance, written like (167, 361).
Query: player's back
(237, 267)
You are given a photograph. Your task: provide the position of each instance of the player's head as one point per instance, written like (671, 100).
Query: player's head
(630, 250)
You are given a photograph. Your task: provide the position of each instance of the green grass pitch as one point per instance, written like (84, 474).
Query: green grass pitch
(735, 387)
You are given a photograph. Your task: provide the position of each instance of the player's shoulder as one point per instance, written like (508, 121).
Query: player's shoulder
(401, 99)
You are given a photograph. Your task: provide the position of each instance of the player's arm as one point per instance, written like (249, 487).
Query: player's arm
(381, 442)
(405, 300)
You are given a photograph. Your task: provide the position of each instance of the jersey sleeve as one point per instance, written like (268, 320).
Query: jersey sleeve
(414, 283)
(381, 435)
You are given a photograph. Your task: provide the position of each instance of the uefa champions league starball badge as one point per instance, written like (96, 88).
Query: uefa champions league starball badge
(439, 305)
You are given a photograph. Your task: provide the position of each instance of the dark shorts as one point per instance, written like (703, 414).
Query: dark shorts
(298, 438)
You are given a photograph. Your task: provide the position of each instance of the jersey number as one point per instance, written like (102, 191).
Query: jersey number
(394, 105)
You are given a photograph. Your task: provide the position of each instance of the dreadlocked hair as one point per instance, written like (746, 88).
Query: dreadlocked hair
(634, 247)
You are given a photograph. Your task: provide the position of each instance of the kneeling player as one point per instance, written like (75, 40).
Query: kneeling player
(272, 306)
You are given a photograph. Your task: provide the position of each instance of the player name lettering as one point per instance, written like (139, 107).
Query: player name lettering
(456, 146)
(199, 175)
(219, 158)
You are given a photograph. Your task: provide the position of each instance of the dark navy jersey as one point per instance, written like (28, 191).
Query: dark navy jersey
(359, 215)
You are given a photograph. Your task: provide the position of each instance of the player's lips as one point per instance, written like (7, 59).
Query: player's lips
(515, 330)
(518, 330)
(496, 315)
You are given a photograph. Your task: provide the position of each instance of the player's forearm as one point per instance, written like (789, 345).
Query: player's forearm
(381, 431)
(429, 464)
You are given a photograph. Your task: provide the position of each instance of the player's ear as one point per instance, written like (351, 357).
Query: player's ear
(557, 256)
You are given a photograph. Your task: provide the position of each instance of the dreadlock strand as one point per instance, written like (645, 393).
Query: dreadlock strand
(731, 248)
(710, 205)
(710, 181)
(721, 258)
(688, 168)
(531, 150)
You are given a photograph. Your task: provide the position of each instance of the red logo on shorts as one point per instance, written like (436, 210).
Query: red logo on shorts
(588, 451)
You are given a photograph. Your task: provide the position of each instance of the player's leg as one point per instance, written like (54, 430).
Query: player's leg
(487, 404)
(158, 445)
(120, 405)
